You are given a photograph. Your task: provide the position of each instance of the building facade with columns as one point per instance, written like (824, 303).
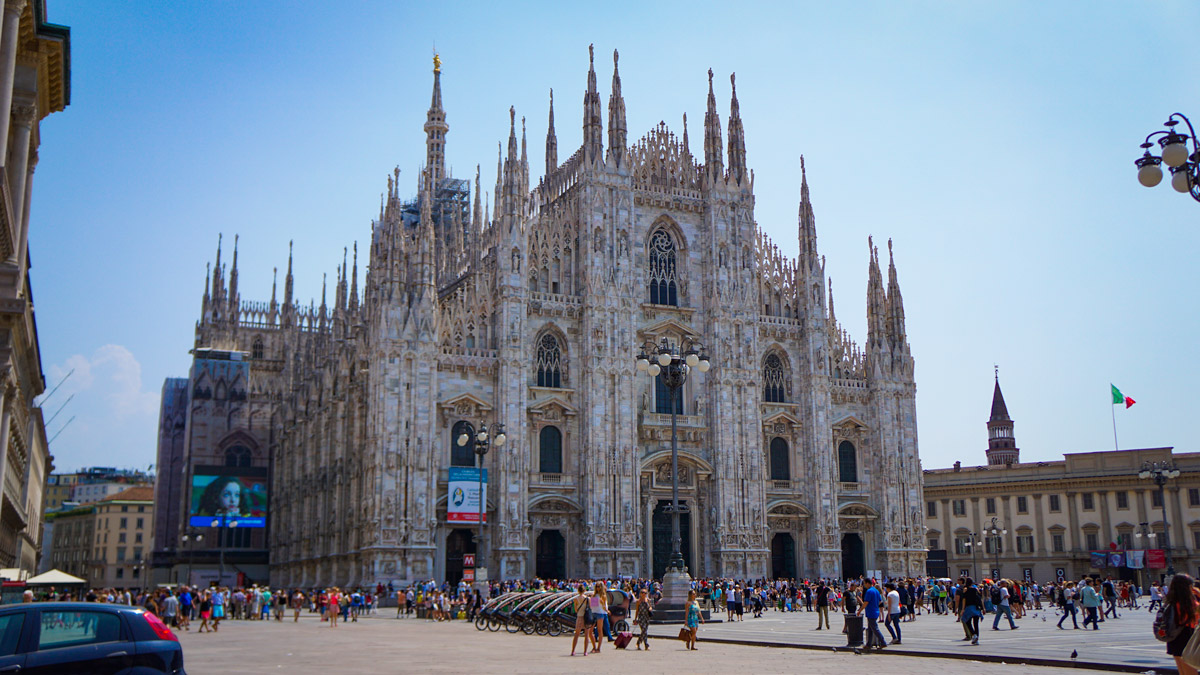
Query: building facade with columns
(797, 451)
(1050, 516)
(35, 81)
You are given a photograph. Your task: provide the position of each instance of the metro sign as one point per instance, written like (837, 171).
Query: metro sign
(468, 560)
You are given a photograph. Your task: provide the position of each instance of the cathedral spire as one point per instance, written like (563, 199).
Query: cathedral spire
(551, 141)
(204, 303)
(1002, 442)
(712, 133)
(593, 125)
(876, 311)
(616, 116)
(895, 303)
(832, 314)
(321, 319)
(354, 281)
(232, 312)
(274, 307)
(737, 141)
(687, 148)
(218, 277)
(436, 128)
(340, 295)
(476, 223)
(807, 223)
(287, 281)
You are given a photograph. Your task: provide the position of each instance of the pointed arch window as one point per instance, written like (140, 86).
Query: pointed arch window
(847, 462)
(662, 398)
(549, 363)
(257, 351)
(550, 450)
(462, 455)
(781, 468)
(238, 455)
(775, 378)
(664, 283)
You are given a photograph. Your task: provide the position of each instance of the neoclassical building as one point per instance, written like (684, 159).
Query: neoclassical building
(798, 449)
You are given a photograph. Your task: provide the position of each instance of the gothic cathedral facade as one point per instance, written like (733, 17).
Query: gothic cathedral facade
(797, 450)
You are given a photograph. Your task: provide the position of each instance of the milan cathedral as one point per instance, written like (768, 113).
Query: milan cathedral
(797, 450)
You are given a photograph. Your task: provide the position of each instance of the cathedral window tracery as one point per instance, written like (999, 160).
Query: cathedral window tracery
(663, 279)
(237, 455)
(775, 380)
(780, 464)
(549, 362)
(256, 352)
(462, 455)
(550, 450)
(847, 462)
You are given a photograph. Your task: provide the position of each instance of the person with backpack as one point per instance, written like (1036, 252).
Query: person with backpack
(970, 609)
(1177, 619)
(1002, 600)
(1066, 600)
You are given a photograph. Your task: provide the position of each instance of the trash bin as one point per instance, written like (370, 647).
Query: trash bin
(854, 631)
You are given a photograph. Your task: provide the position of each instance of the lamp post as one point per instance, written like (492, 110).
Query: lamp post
(1144, 533)
(221, 546)
(195, 537)
(1160, 473)
(483, 443)
(974, 546)
(1184, 165)
(996, 531)
(666, 359)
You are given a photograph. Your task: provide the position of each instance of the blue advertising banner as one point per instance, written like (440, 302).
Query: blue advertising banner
(463, 497)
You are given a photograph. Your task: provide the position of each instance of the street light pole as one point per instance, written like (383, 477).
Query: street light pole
(483, 443)
(674, 368)
(1160, 473)
(996, 531)
(1184, 164)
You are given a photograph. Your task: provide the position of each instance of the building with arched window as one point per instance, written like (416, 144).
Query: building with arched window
(528, 312)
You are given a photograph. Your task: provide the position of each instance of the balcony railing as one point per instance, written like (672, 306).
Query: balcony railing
(781, 485)
(550, 478)
(850, 487)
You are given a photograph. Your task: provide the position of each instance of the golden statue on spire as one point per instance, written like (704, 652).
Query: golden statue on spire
(437, 63)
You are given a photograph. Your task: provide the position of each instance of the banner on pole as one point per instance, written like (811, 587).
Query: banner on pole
(462, 502)
(1099, 559)
(1116, 559)
(1156, 559)
(1136, 560)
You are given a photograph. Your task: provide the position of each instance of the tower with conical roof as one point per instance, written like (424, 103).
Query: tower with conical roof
(1002, 444)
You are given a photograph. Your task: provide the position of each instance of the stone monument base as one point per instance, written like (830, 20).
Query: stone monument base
(673, 606)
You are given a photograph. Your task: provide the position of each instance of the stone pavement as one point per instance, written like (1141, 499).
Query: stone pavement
(388, 645)
(1126, 642)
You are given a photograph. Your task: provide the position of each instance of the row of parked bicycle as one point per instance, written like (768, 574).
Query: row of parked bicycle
(547, 613)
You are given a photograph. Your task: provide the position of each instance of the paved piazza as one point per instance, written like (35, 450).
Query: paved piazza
(386, 645)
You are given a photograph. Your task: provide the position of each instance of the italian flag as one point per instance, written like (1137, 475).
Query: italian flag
(1119, 398)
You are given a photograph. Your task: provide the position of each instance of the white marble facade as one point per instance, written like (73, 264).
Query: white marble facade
(529, 312)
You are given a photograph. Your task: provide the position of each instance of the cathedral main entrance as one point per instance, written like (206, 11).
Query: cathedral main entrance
(661, 545)
(854, 563)
(458, 542)
(551, 555)
(783, 556)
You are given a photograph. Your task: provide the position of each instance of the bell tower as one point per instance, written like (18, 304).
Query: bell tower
(1002, 444)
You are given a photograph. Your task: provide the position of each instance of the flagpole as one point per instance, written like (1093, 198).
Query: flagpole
(1113, 406)
(1115, 444)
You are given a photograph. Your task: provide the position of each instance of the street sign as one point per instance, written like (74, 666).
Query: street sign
(1028, 574)
(1060, 572)
(469, 574)
(468, 560)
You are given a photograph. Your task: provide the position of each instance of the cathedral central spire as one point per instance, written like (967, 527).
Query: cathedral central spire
(551, 141)
(712, 133)
(593, 125)
(616, 116)
(436, 128)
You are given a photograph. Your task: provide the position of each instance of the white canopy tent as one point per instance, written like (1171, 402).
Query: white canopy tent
(54, 577)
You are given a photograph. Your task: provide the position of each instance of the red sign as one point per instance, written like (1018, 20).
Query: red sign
(1156, 559)
(469, 574)
(468, 560)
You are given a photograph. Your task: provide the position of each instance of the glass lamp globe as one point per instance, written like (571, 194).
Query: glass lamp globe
(692, 359)
(642, 364)
(1175, 473)
(1181, 181)
(462, 440)
(664, 359)
(1174, 153)
(654, 370)
(703, 366)
(1150, 175)
(500, 438)
(1144, 475)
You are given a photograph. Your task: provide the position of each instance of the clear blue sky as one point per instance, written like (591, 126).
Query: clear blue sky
(993, 141)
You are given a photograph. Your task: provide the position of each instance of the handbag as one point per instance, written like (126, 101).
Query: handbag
(1191, 653)
(588, 617)
(685, 634)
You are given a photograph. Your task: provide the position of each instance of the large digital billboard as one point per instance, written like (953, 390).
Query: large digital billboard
(228, 496)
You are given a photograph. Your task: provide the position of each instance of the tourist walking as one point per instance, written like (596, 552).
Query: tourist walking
(644, 613)
(1185, 599)
(1067, 601)
(1003, 602)
(871, 602)
(693, 620)
(892, 623)
(970, 609)
(1090, 600)
(583, 620)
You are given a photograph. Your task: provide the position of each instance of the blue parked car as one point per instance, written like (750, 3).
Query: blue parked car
(86, 637)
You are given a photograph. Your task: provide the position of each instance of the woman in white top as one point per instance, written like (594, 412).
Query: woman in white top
(598, 602)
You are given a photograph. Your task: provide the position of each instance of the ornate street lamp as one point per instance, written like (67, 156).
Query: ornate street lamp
(973, 544)
(483, 443)
(1160, 473)
(1183, 164)
(195, 537)
(996, 531)
(666, 359)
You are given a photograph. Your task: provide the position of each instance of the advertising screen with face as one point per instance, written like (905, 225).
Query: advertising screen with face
(228, 496)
